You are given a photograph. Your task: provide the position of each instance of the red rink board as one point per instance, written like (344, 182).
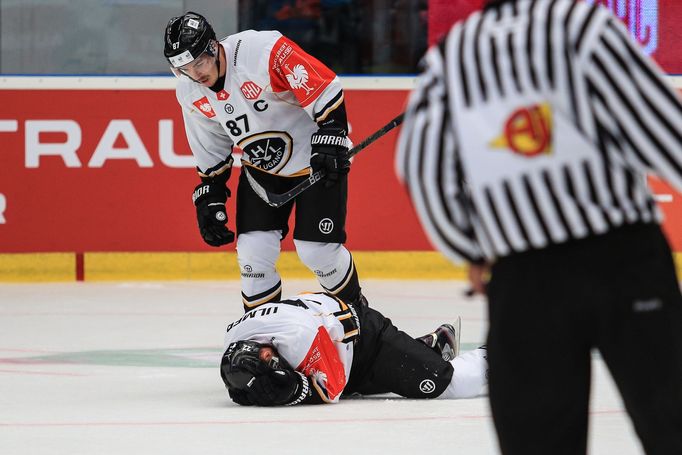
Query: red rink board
(122, 205)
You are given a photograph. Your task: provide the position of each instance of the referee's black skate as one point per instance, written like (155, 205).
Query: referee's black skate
(445, 339)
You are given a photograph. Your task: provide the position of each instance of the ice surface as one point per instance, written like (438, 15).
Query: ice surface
(130, 368)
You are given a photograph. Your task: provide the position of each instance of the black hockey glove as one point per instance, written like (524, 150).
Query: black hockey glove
(209, 199)
(279, 387)
(330, 152)
(240, 397)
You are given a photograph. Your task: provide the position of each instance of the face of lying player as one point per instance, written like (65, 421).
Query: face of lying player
(202, 69)
(267, 354)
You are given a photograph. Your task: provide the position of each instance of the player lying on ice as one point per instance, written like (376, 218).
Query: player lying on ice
(312, 348)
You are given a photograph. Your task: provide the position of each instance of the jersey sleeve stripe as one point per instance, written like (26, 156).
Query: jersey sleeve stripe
(329, 107)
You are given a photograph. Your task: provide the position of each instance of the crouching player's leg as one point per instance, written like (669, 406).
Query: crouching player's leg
(257, 254)
(334, 267)
(319, 236)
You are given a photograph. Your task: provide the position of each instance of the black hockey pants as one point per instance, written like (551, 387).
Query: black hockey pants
(389, 360)
(617, 293)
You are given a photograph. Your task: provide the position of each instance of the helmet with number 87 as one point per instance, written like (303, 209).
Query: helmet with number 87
(187, 37)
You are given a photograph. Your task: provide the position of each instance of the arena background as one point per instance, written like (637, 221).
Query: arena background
(96, 174)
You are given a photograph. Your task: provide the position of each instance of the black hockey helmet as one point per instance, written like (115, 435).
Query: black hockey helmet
(243, 361)
(186, 38)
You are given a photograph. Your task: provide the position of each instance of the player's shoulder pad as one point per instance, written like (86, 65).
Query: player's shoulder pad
(253, 38)
(250, 49)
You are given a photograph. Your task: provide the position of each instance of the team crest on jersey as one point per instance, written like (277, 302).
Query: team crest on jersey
(527, 131)
(222, 95)
(250, 90)
(298, 78)
(204, 107)
(269, 151)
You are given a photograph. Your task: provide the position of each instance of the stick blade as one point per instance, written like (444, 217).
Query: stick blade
(257, 187)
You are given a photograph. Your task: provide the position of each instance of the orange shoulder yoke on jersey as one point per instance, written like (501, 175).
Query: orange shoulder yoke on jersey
(322, 357)
(291, 68)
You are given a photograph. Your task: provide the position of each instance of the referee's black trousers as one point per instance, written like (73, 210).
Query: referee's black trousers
(616, 292)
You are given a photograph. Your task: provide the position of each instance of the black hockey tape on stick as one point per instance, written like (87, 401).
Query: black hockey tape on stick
(278, 200)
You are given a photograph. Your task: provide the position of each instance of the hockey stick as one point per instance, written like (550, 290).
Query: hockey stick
(278, 200)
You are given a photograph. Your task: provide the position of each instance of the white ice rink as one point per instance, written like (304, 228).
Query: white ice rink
(130, 368)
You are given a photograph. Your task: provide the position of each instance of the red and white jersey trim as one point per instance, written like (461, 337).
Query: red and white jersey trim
(292, 69)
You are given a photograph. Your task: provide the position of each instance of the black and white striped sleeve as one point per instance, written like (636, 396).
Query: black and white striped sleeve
(631, 99)
(427, 162)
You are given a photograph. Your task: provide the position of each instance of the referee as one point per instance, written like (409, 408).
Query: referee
(524, 149)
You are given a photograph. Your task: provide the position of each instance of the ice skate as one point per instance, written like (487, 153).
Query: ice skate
(445, 339)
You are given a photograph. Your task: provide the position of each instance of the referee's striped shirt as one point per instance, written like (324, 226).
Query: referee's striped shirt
(534, 123)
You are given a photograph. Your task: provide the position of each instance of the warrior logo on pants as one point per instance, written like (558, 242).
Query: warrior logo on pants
(326, 226)
(427, 386)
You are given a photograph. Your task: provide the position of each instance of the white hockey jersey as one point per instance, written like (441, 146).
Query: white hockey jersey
(273, 96)
(309, 333)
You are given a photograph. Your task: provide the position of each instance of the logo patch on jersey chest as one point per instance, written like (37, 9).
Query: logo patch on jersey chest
(204, 107)
(269, 151)
(250, 90)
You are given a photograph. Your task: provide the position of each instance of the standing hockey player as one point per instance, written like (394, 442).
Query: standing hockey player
(261, 94)
(312, 348)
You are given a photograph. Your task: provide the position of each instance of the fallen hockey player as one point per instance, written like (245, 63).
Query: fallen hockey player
(313, 348)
